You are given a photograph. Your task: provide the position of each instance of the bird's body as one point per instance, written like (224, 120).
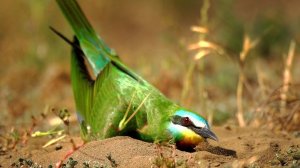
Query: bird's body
(118, 101)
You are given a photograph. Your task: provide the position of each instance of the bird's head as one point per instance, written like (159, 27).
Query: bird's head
(188, 128)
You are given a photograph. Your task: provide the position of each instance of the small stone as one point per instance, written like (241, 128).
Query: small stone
(21, 160)
(29, 162)
(58, 147)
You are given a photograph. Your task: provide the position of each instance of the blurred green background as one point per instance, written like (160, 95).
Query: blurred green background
(152, 37)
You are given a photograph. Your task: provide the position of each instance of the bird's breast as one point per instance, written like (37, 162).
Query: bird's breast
(185, 137)
(190, 138)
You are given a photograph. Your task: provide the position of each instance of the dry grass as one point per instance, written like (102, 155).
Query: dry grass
(247, 46)
(287, 77)
(281, 110)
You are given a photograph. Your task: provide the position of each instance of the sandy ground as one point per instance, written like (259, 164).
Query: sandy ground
(237, 147)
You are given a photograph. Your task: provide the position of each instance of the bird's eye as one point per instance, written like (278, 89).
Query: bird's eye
(186, 121)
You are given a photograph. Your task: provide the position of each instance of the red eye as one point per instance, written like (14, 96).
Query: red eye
(186, 121)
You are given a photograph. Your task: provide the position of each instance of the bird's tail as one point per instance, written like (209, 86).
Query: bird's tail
(94, 48)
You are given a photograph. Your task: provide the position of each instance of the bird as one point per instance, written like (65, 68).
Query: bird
(112, 100)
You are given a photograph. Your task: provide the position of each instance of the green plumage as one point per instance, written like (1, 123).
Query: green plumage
(102, 103)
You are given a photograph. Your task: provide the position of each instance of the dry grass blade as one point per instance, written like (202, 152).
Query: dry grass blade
(199, 29)
(122, 123)
(201, 54)
(287, 76)
(47, 133)
(125, 121)
(138, 108)
(248, 44)
(52, 141)
(203, 44)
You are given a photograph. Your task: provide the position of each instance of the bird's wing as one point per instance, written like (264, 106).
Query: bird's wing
(97, 101)
(82, 83)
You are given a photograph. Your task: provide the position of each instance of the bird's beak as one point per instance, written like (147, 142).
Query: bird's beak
(206, 133)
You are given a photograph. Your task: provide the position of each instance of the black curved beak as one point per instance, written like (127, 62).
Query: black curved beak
(205, 133)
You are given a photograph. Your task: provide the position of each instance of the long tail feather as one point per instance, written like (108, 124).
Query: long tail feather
(96, 51)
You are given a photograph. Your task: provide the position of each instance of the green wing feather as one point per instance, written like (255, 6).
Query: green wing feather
(100, 103)
(82, 86)
(97, 102)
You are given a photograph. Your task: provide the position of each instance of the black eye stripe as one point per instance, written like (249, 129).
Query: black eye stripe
(184, 121)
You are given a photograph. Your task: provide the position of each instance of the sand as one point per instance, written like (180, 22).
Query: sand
(237, 147)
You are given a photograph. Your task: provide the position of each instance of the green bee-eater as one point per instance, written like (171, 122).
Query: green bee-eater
(113, 100)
